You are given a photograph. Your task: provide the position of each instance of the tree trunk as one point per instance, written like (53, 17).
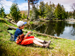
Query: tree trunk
(28, 8)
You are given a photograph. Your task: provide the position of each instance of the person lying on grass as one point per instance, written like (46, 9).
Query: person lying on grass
(22, 39)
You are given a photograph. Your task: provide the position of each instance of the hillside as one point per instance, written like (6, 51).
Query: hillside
(58, 47)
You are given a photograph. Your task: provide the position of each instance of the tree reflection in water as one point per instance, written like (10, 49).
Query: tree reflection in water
(57, 28)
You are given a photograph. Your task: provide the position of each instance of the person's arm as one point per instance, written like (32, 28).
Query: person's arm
(29, 32)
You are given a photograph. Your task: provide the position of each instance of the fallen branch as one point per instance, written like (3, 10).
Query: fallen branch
(34, 32)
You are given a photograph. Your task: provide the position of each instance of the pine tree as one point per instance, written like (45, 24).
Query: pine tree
(74, 14)
(58, 11)
(73, 7)
(15, 12)
(2, 13)
(63, 13)
(35, 14)
(66, 15)
(49, 10)
(70, 14)
(42, 9)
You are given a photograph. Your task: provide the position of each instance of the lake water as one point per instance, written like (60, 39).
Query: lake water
(61, 29)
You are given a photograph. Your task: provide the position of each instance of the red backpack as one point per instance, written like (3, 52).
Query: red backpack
(20, 38)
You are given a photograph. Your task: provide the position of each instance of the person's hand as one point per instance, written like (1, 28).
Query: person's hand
(29, 32)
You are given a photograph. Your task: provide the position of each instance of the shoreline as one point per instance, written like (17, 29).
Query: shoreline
(58, 47)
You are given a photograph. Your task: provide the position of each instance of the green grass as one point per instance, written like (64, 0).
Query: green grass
(58, 47)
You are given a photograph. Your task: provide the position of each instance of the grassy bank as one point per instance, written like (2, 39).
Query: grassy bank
(58, 47)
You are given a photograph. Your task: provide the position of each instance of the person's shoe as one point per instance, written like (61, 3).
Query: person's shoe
(45, 42)
(46, 45)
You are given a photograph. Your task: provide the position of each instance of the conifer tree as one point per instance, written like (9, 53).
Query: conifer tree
(70, 14)
(58, 11)
(63, 13)
(73, 7)
(2, 13)
(35, 14)
(74, 14)
(49, 10)
(42, 9)
(15, 12)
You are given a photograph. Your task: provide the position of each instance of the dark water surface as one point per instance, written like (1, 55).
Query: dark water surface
(61, 29)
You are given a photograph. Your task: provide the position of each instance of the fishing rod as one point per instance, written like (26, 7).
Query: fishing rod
(37, 27)
(34, 29)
